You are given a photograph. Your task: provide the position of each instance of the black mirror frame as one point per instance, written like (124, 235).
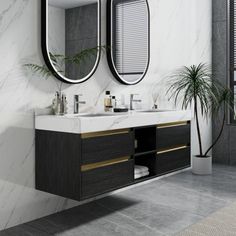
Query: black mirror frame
(109, 44)
(44, 45)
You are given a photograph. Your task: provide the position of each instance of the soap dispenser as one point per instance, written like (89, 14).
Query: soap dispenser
(107, 102)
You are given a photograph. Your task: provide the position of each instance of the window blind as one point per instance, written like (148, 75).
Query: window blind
(131, 39)
(233, 35)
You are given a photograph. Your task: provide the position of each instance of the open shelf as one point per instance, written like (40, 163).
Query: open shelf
(145, 140)
(149, 161)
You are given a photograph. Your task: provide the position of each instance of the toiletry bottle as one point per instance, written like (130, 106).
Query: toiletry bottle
(58, 108)
(55, 102)
(114, 105)
(64, 105)
(107, 102)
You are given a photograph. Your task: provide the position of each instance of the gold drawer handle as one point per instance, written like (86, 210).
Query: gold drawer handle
(104, 133)
(173, 124)
(172, 149)
(104, 163)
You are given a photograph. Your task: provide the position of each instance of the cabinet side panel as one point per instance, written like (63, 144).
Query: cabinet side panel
(58, 158)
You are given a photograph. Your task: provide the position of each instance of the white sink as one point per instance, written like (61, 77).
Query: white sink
(101, 114)
(102, 121)
(158, 110)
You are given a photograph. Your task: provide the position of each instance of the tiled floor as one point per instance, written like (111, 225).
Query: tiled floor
(163, 207)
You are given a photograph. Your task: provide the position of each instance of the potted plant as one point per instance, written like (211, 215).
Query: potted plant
(194, 86)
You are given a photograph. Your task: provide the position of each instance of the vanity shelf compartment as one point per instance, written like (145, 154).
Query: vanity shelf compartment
(145, 139)
(173, 159)
(107, 178)
(103, 146)
(148, 160)
(173, 134)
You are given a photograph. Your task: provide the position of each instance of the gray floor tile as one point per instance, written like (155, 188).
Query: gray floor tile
(23, 230)
(93, 219)
(162, 218)
(175, 196)
(163, 207)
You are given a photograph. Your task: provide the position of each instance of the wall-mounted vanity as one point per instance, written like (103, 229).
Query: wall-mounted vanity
(82, 156)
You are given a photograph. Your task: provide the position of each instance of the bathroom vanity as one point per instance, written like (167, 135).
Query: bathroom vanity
(83, 156)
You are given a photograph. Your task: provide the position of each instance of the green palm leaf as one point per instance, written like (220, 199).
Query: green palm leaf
(194, 86)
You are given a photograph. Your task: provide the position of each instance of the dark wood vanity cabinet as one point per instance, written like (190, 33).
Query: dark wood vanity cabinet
(107, 178)
(80, 166)
(173, 147)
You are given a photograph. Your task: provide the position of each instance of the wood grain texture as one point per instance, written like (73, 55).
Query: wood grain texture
(58, 163)
(171, 161)
(173, 136)
(108, 178)
(108, 147)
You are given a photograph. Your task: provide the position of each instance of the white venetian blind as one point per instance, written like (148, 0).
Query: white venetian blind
(131, 41)
(234, 33)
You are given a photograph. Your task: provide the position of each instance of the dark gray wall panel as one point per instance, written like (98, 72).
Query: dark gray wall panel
(81, 33)
(225, 151)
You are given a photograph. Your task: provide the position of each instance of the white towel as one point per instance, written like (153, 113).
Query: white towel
(140, 169)
(137, 176)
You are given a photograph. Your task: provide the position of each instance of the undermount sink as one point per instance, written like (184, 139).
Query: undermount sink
(94, 114)
(158, 110)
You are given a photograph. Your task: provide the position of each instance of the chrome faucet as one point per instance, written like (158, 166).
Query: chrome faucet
(133, 100)
(77, 102)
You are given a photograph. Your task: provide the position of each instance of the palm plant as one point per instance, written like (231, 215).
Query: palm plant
(194, 86)
(58, 60)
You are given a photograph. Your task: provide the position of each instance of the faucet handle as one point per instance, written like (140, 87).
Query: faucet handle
(133, 94)
(77, 96)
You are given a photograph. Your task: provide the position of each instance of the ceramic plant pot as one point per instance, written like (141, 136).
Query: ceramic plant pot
(202, 165)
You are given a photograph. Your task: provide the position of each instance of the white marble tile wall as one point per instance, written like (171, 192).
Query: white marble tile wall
(180, 35)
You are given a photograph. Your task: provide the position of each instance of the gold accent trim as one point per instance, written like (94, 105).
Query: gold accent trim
(104, 163)
(172, 124)
(172, 149)
(104, 133)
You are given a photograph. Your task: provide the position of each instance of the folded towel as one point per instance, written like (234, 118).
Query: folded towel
(137, 176)
(139, 168)
(138, 172)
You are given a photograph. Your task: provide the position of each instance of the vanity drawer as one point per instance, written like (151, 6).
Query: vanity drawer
(102, 146)
(107, 178)
(176, 158)
(173, 134)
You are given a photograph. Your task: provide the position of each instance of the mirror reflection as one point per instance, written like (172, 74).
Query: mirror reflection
(73, 38)
(129, 39)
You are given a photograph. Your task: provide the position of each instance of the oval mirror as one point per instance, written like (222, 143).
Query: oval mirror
(71, 38)
(128, 35)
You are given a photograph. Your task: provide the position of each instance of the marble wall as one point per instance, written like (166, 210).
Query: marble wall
(180, 35)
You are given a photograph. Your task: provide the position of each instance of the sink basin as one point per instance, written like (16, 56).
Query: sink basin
(158, 110)
(94, 114)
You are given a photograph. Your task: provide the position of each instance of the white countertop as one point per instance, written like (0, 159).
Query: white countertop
(80, 124)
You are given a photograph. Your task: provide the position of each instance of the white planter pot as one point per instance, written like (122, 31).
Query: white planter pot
(202, 166)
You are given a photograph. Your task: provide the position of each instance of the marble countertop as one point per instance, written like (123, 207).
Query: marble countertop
(84, 124)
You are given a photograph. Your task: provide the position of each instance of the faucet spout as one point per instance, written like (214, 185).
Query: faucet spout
(132, 100)
(77, 102)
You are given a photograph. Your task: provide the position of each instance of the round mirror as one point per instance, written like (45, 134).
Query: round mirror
(71, 38)
(128, 35)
